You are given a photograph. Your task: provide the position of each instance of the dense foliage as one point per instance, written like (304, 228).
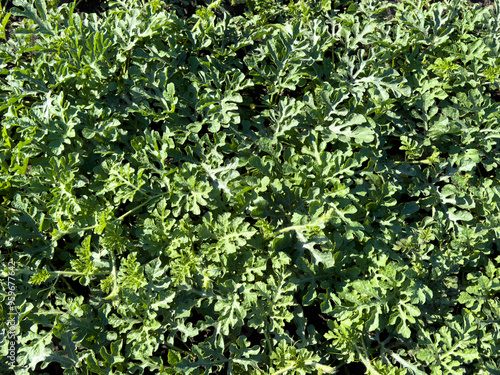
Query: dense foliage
(260, 187)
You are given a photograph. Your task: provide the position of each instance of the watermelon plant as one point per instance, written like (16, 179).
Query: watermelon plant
(250, 187)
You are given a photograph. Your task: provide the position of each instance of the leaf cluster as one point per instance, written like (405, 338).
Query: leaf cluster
(289, 190)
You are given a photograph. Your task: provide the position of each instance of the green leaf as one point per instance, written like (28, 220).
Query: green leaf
(3, 24)
(38, 351)
(345, 133)
(456, 215)
(38, 15)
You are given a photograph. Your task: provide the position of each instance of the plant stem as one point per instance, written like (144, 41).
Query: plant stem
(282, 371)
(366, 362)
(114, 292)
(60, 273)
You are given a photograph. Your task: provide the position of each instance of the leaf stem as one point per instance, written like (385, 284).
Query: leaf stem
(406, 364)
(269, 345)
(137, 207)
(366, 362)
(114, 292)
(60, 273)
(294, 227)
(282, 371)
